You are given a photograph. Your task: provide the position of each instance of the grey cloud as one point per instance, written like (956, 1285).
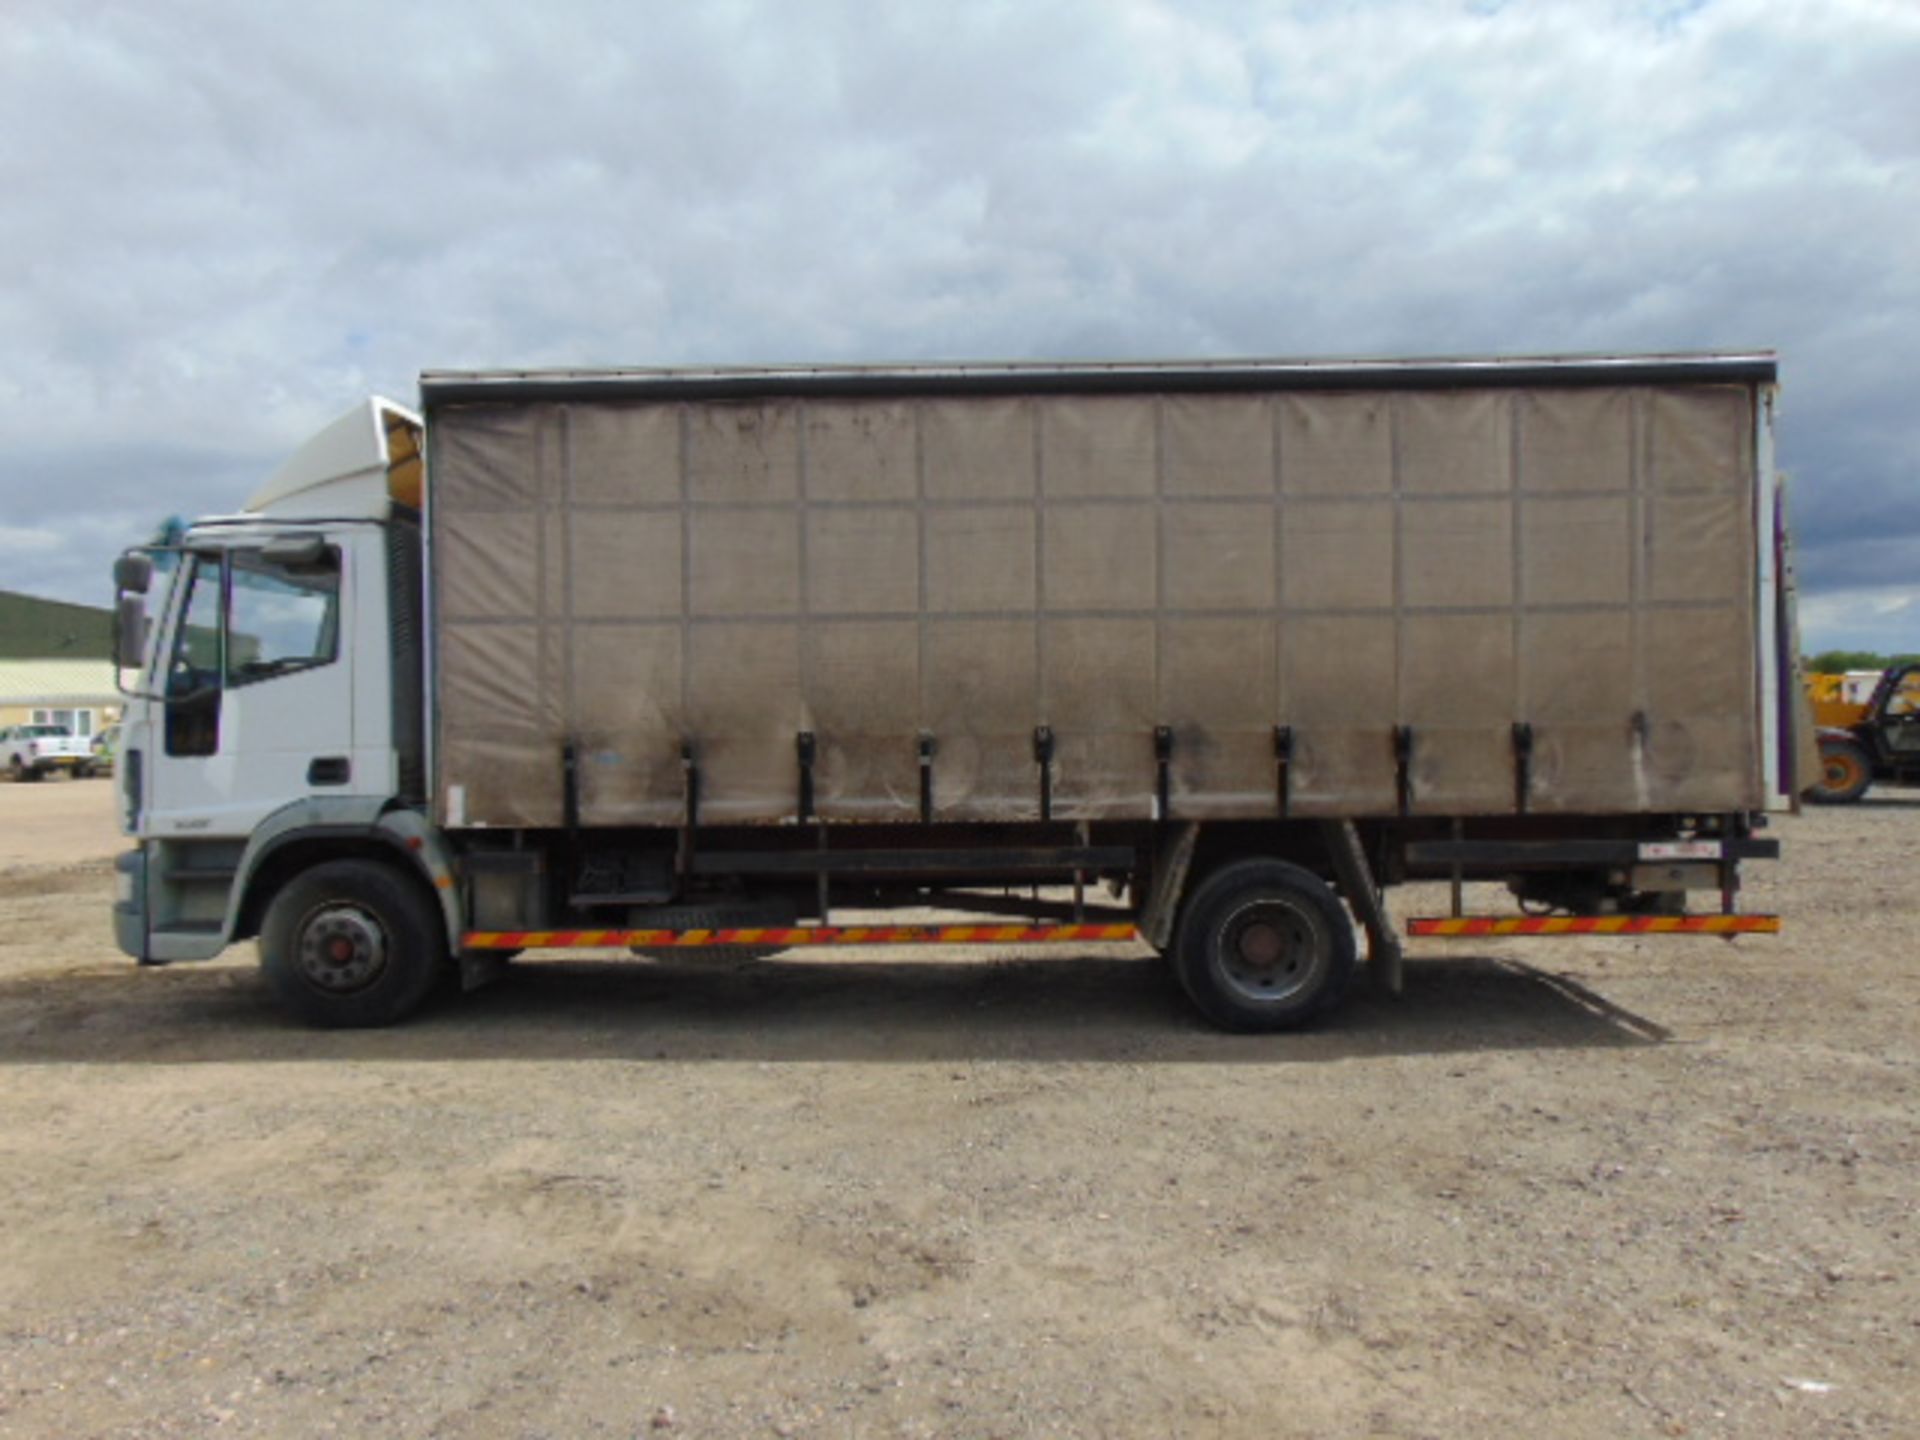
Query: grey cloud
(239, 221)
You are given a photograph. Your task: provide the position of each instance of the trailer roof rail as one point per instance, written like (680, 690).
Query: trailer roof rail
(450, 387)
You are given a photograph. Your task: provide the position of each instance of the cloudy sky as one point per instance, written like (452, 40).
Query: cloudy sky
(224, 222)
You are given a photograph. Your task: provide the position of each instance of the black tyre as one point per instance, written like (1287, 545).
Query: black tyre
(353, 943)
(1845, 773)
(1263, 945)
(16, 772)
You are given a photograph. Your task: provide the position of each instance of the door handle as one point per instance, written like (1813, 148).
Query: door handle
(329, 770)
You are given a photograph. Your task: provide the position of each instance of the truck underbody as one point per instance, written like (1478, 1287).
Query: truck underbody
(753, 891)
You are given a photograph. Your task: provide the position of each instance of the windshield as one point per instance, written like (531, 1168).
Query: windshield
(45, 732)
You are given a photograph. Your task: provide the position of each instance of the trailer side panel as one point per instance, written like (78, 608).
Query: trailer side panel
(1381, 583)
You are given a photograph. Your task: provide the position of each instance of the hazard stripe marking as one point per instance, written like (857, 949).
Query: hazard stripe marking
(793, 936)
(1456, 928)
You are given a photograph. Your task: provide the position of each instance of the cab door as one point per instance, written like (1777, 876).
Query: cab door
(258, 689)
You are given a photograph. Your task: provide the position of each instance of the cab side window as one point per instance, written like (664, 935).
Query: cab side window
(281, 618)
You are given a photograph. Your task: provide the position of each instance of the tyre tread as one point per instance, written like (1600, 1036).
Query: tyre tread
(415, 934)
(1191, 960)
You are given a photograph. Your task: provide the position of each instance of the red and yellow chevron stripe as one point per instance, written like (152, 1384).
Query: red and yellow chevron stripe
(797, 935)
(1451, 928)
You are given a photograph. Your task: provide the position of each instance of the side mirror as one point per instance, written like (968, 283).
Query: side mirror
(129, 630)
(133, 573)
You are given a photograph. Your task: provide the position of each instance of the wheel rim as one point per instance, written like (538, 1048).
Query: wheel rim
(1272, 951)
(1840, 771)
(342, 949)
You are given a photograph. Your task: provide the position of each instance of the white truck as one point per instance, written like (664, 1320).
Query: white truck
(33, 752)
(1206, 654)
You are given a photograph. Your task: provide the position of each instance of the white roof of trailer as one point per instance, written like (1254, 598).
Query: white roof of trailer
(1726, 366)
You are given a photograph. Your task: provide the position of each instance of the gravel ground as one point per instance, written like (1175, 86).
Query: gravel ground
(1571, 1188)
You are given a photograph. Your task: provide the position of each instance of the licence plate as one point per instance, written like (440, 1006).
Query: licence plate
(1680, 850)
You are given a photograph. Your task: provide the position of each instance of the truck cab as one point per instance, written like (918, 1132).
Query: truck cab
(275, 702)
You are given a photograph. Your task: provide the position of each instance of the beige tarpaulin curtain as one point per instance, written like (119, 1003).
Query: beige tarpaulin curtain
(632, 576)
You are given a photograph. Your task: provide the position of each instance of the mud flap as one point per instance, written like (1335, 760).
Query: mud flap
(1170, 866)
(1350, 868)
(480, 968)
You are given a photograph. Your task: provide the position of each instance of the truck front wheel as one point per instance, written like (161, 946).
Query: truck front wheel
(352, 943)
(1263, 945)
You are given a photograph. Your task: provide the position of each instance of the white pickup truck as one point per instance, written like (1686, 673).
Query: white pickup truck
(31, 752)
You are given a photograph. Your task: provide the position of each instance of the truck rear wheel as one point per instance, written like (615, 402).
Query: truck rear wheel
(351, 944)
(1845, 773)
(1263, 945)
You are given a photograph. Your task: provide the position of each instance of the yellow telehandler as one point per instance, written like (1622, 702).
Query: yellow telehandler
(1862, 741)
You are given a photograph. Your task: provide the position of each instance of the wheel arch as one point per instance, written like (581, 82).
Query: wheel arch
(288, 855)
(399, 839)
(1191, 852)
